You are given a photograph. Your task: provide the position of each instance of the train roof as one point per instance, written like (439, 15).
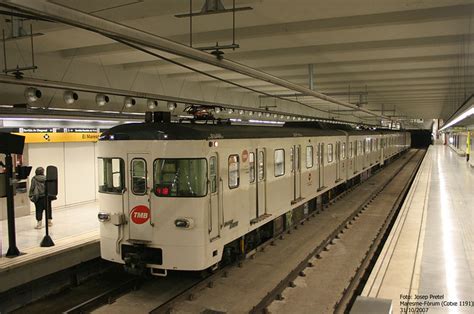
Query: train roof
(195, 131)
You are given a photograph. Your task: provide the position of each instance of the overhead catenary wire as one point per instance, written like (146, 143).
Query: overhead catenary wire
(142, 49)
(100, 25)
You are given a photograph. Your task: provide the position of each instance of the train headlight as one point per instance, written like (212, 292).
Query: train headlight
(103, 217)
(184, 223)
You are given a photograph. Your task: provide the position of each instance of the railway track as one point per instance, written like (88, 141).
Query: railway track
(181, 293)
(220, 292)
(361, 238)
(105, 297)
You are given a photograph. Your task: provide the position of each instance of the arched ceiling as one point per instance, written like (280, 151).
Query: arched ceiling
(409, 58)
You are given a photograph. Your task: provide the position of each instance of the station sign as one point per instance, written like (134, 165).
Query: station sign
(58, 135)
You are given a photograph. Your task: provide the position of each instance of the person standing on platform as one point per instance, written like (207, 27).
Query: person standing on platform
(468, 145)
(38, 197)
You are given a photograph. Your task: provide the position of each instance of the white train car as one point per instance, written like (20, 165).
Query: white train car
(189, 196)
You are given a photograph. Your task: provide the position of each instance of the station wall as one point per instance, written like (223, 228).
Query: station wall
(76, 163)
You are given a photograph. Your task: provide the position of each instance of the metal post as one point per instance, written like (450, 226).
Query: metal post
(12, 249)
(311, 76)
(32, 47)
(233, 24)
(4, 52)
(59, 13)
(190, 23)
(47, 241)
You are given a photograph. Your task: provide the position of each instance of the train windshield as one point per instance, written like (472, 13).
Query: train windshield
(111, 179)
(180, 177)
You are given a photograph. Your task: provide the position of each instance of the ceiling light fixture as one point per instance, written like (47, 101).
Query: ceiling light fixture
(129, 102)
(459, 118)
(70, 97)
(32, 94)
(101, 99)
(171, 106)
(152, 104)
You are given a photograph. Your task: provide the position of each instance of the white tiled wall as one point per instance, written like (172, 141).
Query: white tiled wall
(76, 169)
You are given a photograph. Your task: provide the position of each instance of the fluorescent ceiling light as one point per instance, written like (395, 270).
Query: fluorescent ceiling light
(459, 118)
(61, 120)
(265, 122)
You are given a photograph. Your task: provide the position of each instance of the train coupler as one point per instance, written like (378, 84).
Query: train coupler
(134, 264)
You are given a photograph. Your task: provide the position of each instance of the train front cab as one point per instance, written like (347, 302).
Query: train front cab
(148, 219)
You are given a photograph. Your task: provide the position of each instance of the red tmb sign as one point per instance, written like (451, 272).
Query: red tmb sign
(140, 214)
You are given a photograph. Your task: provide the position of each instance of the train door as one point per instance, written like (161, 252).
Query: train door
(214, 199)
(140, 224)
(356, 151)
(344, 162)
(338, 161)
(296, 171)
(382, 150)
(380, 146)
(321, 166)
(364, 154)
(261, 184)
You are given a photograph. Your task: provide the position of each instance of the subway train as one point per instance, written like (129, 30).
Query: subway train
(191, 196)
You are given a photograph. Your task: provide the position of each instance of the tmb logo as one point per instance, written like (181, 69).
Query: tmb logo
(140, 214)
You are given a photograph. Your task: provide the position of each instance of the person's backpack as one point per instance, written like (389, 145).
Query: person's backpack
(38, 191)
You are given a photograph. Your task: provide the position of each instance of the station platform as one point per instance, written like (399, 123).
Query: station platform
(75, 232)
(427, 263)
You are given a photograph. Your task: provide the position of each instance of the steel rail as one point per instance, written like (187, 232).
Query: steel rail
(69, 16)
(357, 282)
(189, 294)
(277, 291)
(28, 81)
(105, 297)
(214, 76)
(70, 114)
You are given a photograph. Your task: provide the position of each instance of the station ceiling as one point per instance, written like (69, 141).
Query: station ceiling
(409, 58)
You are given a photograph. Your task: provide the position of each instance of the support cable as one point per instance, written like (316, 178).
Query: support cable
(142, 49)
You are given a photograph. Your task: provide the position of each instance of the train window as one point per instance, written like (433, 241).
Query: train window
(318, 158)
(309, 156)
(111, 178)
(360, 150)
(279, 162)
(176, 177)
(330, 153)
(252, 167)
(343, 150)
(234, 171)
(261, 165)
(351, 150)
(213, 173)
(138, 176)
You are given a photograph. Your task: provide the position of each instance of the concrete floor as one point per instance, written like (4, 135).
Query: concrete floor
(431, 249)
(67, 222)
